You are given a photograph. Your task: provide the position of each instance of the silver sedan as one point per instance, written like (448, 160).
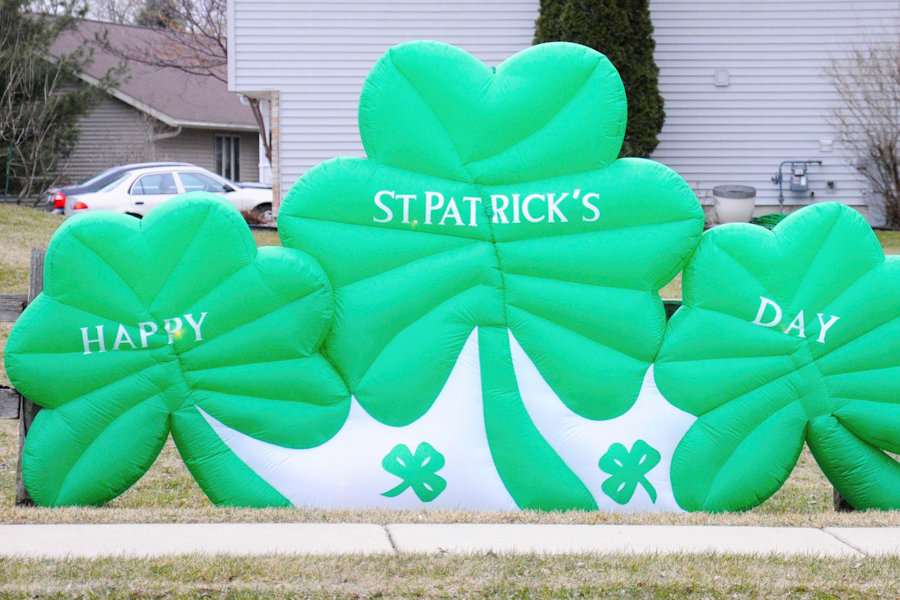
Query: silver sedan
(137, 189)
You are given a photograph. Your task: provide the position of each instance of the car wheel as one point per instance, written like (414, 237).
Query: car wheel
(263, 213)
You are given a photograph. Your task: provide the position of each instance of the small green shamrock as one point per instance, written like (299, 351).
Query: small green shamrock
(628, 469)
(418, 471)
(787, 336)
(142, 322)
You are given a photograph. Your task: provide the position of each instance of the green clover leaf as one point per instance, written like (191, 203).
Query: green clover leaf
(140, 323)
(787, 336)
(493, 199)
(628, 470)
(418, 471)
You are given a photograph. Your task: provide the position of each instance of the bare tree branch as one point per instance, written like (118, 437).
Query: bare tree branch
(193, 41)
(39, 101)
(867, 118)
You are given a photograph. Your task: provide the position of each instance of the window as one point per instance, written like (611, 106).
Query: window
(158, 183)
(198, 182)
(108, 184)
(228, 156)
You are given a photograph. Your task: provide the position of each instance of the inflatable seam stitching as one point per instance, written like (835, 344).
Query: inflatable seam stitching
(462, 164)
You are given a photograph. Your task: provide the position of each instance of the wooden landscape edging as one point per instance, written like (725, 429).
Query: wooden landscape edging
(12, 404)
(15, 406)
(11, 306)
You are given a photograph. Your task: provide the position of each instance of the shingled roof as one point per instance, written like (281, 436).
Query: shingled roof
(176, 98)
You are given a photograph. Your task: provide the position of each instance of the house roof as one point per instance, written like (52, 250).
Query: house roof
(176, 98)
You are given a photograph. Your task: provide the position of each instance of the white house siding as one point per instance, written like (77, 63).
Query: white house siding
(317, 55)
(778, 101)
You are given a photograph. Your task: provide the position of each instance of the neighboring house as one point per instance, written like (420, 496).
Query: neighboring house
(743, 81)
(159, 114)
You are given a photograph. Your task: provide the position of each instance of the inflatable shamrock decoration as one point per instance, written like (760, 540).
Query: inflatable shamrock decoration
(468, 318)
(493, 199)
(787, 336)
(145, 326)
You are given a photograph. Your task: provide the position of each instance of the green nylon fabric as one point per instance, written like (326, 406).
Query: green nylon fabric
(577, 284)
(252, 365)
(551, 110)
(516, 445)
(760, 390)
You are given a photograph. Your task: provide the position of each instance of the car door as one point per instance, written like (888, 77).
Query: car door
(150, 190)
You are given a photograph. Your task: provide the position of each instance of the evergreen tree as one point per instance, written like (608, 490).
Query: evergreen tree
(623, 31)
(40, 99)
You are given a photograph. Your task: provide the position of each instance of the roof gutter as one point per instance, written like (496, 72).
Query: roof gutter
(167, 135)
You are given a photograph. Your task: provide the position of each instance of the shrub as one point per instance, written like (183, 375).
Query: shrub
(623, 31)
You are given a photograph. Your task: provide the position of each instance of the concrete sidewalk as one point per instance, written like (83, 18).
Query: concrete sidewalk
(154, 539)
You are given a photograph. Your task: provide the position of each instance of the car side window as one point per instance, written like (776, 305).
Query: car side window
(112, 183)
(198, 182)
(156, 183)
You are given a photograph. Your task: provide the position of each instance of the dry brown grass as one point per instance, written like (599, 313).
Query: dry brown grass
(890, 241)
(451, 576)
(672, 290)
(21, 229)
(266, 237)
(168, 493)
(4, 333)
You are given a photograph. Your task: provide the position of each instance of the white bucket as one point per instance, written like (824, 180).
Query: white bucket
(734, 203)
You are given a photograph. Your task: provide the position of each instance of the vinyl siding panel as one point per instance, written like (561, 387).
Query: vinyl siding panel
(775, 108)
(114, 133)
(191, 145)
(198, 146)
(317, 55)
(778, 102)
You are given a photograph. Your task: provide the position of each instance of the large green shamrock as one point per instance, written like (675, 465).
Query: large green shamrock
(786, 336)
(140, 323)
(493, 198)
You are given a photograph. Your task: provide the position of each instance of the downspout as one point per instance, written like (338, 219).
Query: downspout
(156, 137)
(275, 133)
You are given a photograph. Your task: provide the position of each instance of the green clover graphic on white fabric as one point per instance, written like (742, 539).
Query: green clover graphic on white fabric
(418, 471)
